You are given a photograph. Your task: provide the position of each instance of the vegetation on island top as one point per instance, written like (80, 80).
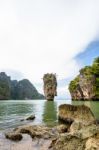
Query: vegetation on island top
(13, 89)
(89, 76)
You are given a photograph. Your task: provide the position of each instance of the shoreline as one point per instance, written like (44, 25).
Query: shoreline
(77, 132)
(40, 137)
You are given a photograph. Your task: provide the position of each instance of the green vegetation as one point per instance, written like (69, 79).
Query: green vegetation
(74, 84)
(95, 68)
(89, 75)
(23, 89)
(4, 86)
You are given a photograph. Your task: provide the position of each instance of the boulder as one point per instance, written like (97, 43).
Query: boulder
(67, 142)
(32, 117)
(92, 143)
(80, 136)
(35, 131)
(62, 128)
(69, 113)
(86, 138)
(14, 136)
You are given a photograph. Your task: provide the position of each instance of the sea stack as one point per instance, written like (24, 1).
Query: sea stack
(50, 86)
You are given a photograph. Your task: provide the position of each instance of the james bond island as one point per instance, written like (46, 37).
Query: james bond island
(50, 86)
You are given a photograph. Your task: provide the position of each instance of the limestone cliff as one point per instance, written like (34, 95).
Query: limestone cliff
(13, 89)
(50, 86)
(86, 85)
(5, 86)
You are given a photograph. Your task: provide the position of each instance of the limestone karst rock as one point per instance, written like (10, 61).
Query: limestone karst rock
(50, 86)
(70, 113)
(5, 86)
(86, 85)
(13, 89)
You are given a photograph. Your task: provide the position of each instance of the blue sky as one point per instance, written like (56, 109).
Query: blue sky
(84, 59)
(48, 36)
(87, 57)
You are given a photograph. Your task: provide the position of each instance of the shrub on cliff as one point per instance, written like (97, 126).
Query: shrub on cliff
(87, 80)
(74, 84)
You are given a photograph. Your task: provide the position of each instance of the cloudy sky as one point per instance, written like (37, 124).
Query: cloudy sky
(55, 36)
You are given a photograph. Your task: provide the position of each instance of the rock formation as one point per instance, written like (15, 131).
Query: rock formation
(56, 138)
(86, 85)
(50, 86)
(25, 90)
(79, 135)
(13, 89)
(5, 86)
(70, 113)
(87, 138)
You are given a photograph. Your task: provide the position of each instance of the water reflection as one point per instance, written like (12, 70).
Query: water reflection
(11, 112)
(50, 112)
(93, 105)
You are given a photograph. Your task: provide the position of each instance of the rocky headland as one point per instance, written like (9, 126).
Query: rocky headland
(82, 133)
(86, 85)
(50, 86)
(13, 89)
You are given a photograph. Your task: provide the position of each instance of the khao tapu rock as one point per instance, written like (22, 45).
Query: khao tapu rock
(70, 113)
(13, 89)
(86, 85)
(50, 86)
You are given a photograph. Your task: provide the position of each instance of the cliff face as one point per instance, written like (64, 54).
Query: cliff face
(23, 89)
(26, 90)
(50, 86)
(5, 87)
(86, 85)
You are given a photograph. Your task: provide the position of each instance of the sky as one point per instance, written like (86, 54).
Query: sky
(48, 36)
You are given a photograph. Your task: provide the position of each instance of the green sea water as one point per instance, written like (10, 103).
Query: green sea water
(46, 112)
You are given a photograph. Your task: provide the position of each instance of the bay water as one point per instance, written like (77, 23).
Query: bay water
(46, 112)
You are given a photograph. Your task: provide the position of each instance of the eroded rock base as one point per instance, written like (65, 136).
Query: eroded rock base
(77, 136)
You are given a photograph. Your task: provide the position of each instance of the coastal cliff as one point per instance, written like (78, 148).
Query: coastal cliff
(86, 85)
(13, 89)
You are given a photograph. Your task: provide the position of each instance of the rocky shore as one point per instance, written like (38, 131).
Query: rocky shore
(82, 133)
(78, 132)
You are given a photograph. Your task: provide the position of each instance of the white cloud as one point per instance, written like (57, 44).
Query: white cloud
(44, 36)
(63, 92)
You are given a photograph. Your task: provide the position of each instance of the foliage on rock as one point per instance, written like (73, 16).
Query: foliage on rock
(50, 86)
(86, 85)
(13, 89)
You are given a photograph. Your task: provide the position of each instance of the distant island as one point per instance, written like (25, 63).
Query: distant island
(86, 85)
(17, 90)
